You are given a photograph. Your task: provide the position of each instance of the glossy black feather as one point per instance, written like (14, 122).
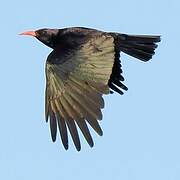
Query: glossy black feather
(140, 47)
(71, 98)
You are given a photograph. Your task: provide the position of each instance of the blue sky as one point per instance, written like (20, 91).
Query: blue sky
(141, 138)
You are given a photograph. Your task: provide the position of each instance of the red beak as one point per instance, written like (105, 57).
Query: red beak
(29, 33)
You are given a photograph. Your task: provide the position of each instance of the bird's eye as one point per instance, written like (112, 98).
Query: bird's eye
(44, 33)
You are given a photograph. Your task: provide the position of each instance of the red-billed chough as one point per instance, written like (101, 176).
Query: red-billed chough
(83, 65)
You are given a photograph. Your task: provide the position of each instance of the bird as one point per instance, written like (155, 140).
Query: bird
(84, 65)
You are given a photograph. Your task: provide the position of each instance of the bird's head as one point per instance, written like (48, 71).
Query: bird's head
(46, 36)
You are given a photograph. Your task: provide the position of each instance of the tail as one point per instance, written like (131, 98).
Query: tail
(140, 46)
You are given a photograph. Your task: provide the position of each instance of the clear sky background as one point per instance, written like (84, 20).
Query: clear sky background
(141, 138)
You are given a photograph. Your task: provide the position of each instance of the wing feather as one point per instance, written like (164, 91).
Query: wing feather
(76, 80)
(87, 90)
(95, 125)
(53, 125)
(61, 125)
(74, 134)
(87, 105)
(46, 104)
(83, 126)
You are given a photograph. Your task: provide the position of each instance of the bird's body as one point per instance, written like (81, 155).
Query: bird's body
(84, 65)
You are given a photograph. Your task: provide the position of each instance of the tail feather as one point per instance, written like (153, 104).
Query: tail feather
(141, 47)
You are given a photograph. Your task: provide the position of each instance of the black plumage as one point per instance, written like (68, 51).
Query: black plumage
(84, 65)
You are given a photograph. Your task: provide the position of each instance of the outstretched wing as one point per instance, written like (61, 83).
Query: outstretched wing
(76, 80)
